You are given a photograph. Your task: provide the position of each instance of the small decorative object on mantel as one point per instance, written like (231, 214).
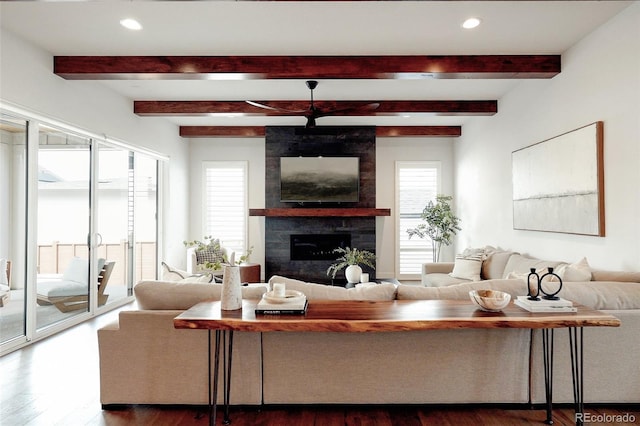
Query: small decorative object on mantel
(231, 298)
(351, 259)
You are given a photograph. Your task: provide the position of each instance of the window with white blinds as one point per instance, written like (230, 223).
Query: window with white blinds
(225, 203)
(416, 184)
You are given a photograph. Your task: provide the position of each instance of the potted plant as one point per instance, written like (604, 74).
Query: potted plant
(351, 259)
(440, 224)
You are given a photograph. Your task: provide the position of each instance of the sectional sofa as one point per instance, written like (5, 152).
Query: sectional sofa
(145, 360)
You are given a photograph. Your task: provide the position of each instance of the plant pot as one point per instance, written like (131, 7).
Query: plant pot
(353, 273)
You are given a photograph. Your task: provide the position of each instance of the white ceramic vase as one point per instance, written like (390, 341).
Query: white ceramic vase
(231, 298)
(353, 273)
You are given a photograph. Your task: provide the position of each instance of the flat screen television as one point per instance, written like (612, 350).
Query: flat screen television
(319, 179)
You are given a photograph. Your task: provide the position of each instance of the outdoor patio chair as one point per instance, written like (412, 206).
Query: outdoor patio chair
(71, 292)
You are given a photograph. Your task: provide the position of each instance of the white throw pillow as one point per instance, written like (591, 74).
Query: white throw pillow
(579, 271)
(468, 264)
(77, 271)
(172, 274)
(3, 272)
(199, 278)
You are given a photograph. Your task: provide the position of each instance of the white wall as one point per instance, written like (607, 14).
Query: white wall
(388, 152)
(27, 81)
(600, 81)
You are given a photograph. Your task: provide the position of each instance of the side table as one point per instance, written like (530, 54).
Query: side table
(250, 273)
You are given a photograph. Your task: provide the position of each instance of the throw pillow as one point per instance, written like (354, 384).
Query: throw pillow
(213, 256)
(468, 264)
(579, 271)
(198, 278)
(77, 271)
(172, 274)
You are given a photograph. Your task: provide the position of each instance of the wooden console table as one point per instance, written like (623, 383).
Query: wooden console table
(391, 316)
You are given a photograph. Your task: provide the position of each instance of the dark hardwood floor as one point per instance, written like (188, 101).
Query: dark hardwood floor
(56, 382)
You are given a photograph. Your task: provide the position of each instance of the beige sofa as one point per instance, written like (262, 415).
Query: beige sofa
(145, 360)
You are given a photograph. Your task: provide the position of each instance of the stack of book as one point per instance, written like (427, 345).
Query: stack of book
(544, 305)
(293, 303)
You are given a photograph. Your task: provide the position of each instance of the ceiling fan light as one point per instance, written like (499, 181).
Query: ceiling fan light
(131, 24)
(471, 23)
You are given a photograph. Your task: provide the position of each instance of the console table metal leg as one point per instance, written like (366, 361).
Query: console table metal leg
(213, 396)
(228, 357)
(547, 353)
(577, 371)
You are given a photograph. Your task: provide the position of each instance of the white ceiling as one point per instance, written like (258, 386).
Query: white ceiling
(308, 28)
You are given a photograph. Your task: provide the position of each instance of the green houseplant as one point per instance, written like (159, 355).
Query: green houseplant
(440, 224)
(351, 257)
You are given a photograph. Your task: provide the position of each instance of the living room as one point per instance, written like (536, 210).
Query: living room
(599, 81)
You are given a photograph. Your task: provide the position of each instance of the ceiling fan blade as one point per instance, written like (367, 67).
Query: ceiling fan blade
(270, 108)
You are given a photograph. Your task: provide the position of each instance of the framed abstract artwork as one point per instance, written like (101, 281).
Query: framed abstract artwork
(558, 184)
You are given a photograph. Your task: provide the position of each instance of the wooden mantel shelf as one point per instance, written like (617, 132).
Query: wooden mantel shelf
(320, 212)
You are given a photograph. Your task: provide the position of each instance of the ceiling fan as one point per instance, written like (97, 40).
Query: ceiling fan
(312, 113)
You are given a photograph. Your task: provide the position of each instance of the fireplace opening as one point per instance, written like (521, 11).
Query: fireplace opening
(317, 246)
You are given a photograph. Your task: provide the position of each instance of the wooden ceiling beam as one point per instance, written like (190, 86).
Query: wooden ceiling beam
(305, 67)
(259, 131)
(343, 108)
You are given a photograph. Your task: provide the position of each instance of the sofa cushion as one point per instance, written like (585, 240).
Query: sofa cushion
(166, 295)
(579, 271)
(522, 264)
(459, 291)
(494, 263)
(605, 295)
(621, 276)
(441, 280)
(61, 288)
(385, 291)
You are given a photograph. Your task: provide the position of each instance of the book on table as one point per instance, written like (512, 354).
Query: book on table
(296, 307)
(545, 305)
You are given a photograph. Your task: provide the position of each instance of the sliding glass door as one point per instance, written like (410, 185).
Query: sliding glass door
(78, 226)
(126, 219)
(63, 229)
(13, 155)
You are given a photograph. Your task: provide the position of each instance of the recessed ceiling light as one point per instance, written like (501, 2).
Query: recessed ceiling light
(130, 24)
(471, 23)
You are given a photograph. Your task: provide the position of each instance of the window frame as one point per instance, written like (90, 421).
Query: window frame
(431, 164)
(244, 165)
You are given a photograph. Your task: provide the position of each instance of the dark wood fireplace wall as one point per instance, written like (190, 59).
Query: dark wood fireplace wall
(288, 141)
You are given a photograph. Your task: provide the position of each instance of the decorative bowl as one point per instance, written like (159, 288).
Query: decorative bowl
(490, 300)
(290, 296)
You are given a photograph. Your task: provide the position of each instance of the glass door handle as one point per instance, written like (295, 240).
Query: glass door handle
(98, 239)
